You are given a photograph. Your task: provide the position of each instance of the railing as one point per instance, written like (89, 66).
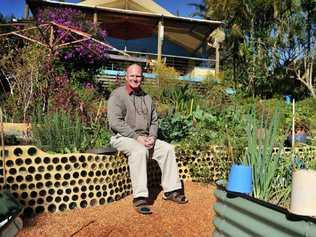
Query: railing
(184, 65)
(113, 78)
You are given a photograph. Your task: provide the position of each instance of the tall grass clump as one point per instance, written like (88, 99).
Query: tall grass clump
(262, 155)
(60, 133)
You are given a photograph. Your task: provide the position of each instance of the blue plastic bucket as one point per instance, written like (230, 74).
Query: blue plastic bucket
(240, 179)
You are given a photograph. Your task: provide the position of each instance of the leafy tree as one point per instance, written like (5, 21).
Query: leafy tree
(262, 39)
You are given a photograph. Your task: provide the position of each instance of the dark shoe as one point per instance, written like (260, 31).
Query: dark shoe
(141, 206)
(175, 196)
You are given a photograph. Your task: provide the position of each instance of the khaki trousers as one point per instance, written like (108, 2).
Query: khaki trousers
(137, 155)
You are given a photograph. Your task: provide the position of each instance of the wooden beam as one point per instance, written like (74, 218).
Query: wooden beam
(70, 43)
(95, 18)
(217, 61)
(18, 31)
(88, 36)
(28, 38)
(26, 11)
(160, 40)
(51, 37)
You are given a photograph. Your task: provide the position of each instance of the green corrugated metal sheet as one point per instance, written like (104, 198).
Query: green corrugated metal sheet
(239, 217)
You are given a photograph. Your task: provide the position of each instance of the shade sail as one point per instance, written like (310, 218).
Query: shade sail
(135, 5)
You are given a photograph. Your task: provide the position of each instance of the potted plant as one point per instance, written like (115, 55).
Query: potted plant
(261, 154)
(260, 159)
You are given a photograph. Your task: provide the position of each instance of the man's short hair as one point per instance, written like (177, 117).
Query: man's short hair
(134, 64)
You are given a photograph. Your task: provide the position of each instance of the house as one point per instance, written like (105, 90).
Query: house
(148, 32)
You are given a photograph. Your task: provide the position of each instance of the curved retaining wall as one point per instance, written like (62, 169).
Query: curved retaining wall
(44, 182)
(54, 182)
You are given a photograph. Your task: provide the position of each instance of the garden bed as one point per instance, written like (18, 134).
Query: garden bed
(241, 215)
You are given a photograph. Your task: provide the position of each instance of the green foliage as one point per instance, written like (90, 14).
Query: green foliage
(282, 182)
(256, 68)
(306, 112)
(165, 74)
(92, 105)
(201, 172)
(215, 96)
(24, 66)
(262, 40)
(225, 124)
(163, 110)
(290, 161)
(202, 133)
(166, 77)
(60, 133)
(81, 76)
(200, 138)
(305, 116)
(174, 128)
(220, 126)
(11, 140)
(100, 135)
(182, 98)
(312, 164)
(260, 156)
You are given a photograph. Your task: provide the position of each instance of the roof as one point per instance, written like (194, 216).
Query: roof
(189, 33)
(135, 5)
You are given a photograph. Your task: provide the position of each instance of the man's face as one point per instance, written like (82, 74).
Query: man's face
(134, 76)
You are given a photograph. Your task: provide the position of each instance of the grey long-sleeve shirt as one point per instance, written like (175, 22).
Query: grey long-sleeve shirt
(133, 114)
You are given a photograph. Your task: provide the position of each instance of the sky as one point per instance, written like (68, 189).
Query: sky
(16, 7)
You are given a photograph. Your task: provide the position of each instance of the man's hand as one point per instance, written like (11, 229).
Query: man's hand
(142, 140)
(150, 142)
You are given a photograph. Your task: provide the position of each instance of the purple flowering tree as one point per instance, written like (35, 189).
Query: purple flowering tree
(87, 52)
(72, 68)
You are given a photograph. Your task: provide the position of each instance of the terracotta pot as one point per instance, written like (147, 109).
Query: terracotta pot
(303, 198)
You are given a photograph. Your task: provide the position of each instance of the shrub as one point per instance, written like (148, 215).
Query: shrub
(99, 133)
(182, 98)
(58, 132)
(24, 67)
(174, 127)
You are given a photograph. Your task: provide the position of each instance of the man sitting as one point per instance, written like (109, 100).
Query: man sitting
(134, 122)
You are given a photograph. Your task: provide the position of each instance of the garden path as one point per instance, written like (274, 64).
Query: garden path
(119, 219)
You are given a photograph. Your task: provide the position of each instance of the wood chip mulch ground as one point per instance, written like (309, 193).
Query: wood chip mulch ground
(119, 219)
